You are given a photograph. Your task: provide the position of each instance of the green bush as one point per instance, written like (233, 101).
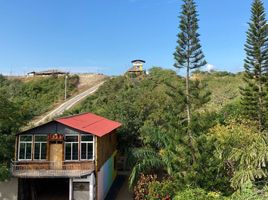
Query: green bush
(165, 189)
(4, 173)
(198, 194)
(249, 192)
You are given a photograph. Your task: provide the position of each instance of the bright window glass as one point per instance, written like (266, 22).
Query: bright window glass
(87, 151)
(25, 147)
(71, 147)
(40, 147)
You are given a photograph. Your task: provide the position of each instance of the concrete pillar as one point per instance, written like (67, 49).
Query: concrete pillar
(70, 189)
(91, 186)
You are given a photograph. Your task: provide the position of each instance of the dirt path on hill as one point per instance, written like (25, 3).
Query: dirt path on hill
(68, 104)
(88, 84)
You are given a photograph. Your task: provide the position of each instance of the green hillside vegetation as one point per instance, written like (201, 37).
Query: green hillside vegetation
(137, 104)
(21, 101)
(37, 95)
(224, 87)
(153, 132)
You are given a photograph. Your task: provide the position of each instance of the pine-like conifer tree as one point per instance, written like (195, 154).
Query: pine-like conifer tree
(189, 55)
(254, 94)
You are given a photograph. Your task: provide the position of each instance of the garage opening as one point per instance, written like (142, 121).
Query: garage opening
(44, 189)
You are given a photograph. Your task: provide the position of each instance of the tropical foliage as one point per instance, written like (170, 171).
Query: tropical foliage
(153, 133)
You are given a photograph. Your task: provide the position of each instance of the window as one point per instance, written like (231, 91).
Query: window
(71, 147)
(87, 151)
(81, 190)
(40, 147)
(25, 147)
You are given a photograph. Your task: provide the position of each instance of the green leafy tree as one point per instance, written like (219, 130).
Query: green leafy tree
(188, 55)
(241, 150)
(254, 94)
(10, 121)
(249, 192)
(198, 194)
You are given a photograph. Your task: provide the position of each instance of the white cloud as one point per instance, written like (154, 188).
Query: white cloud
(209, 67)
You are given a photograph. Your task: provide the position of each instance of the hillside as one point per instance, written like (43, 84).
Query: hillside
(224, 88)
(135, 103)
(38, 95)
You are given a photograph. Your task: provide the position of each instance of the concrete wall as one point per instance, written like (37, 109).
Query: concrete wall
(9, 189)
(83, 188)
(106, 176)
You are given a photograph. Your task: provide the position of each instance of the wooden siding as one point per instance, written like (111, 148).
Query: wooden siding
(76, 165)
(106, 146)
(51, 128)
(47, 169)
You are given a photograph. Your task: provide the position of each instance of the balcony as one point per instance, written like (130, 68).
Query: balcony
(48, 169)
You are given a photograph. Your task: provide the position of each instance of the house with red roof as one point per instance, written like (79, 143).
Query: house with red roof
(68, 158)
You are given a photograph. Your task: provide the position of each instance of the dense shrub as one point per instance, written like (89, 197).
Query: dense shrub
(198, 194)
(4, 172)
(162, 190)
(141, 190)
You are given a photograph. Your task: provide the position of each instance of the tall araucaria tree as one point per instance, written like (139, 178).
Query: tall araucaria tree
(189, 56)
(254, 93)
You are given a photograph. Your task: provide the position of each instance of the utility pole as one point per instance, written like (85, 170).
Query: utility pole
(65, 87)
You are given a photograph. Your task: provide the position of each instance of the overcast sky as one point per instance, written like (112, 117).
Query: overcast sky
(105, 35)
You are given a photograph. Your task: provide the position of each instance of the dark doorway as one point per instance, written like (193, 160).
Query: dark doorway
(44, 189)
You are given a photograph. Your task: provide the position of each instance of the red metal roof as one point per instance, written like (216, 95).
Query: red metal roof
(90, 123)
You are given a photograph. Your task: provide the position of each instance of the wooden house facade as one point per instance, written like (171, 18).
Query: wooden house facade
(74, 156)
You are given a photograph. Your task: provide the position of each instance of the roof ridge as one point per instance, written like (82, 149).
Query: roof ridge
(71, 116)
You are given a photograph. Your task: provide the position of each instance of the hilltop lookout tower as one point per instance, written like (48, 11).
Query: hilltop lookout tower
(136, 69)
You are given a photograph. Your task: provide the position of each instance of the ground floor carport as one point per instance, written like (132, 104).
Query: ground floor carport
(43, 189)
(53, 188)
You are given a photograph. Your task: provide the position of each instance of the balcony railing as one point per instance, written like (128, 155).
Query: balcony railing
(51, 169)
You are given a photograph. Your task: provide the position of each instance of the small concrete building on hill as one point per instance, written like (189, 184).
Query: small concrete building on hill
(52, 72)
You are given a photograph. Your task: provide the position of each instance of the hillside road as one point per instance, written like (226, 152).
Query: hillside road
(68, 104)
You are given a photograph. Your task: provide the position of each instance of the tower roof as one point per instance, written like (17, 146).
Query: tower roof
(133, 61)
